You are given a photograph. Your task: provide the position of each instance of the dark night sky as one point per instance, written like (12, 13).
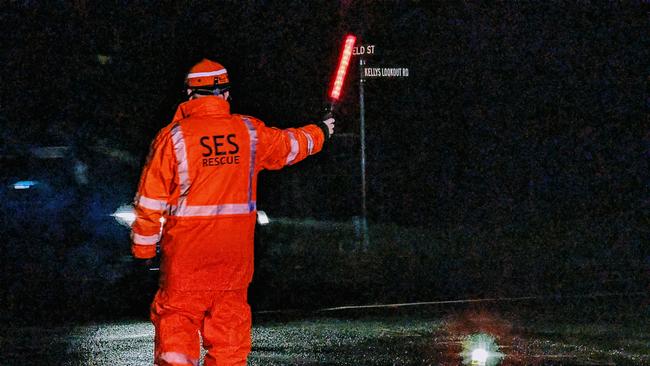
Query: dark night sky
(518, 122)
(501, 102)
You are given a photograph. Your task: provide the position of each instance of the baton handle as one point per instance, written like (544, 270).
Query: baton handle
(329, 110)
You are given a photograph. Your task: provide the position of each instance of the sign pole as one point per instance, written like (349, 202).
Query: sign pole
(391, 72)
(362, 134)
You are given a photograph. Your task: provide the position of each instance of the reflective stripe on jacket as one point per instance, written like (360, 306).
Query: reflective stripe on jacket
(201, 176)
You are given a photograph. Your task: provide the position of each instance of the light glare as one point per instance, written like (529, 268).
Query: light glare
(24, 184)
(481, 349)
(125, 215)
(262, 218)
(479, 356)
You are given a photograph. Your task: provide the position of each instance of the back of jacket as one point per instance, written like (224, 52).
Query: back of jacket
(201, 178)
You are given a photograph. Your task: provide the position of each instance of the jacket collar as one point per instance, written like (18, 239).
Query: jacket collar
(210, 105)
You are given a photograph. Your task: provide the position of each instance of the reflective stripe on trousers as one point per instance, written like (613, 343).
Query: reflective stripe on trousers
(177, 357)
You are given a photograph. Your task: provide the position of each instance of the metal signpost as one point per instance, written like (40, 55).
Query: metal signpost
(362, 137)
(362, 51)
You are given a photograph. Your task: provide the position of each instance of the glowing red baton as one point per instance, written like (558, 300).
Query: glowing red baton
(344, 62)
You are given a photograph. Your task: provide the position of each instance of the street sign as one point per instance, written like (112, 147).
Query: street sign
(388, 72)
(364, 50)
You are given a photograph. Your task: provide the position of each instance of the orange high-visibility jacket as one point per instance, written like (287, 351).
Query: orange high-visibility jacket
(201, 177)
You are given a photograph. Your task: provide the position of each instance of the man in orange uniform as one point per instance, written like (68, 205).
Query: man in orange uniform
(201, 177)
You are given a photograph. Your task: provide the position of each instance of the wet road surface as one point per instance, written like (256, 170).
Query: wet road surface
(413, 338)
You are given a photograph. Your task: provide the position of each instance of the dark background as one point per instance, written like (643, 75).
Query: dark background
(512, 161)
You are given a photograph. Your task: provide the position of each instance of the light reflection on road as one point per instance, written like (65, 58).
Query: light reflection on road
(371, 341)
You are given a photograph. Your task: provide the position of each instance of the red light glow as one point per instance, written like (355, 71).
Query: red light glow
(344, 62)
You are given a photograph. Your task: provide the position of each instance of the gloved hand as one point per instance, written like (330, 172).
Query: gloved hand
(327, 126)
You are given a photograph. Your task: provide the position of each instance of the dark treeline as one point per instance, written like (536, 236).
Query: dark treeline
(520, 124)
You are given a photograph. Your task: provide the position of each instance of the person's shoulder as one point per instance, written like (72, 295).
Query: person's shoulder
(164, 134)
(167, 130)
(256, 122)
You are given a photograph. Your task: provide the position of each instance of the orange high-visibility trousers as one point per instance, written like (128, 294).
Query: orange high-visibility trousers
(222, 318)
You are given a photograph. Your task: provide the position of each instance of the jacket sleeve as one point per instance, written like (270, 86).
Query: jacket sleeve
(279, 148)
(152, 200)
